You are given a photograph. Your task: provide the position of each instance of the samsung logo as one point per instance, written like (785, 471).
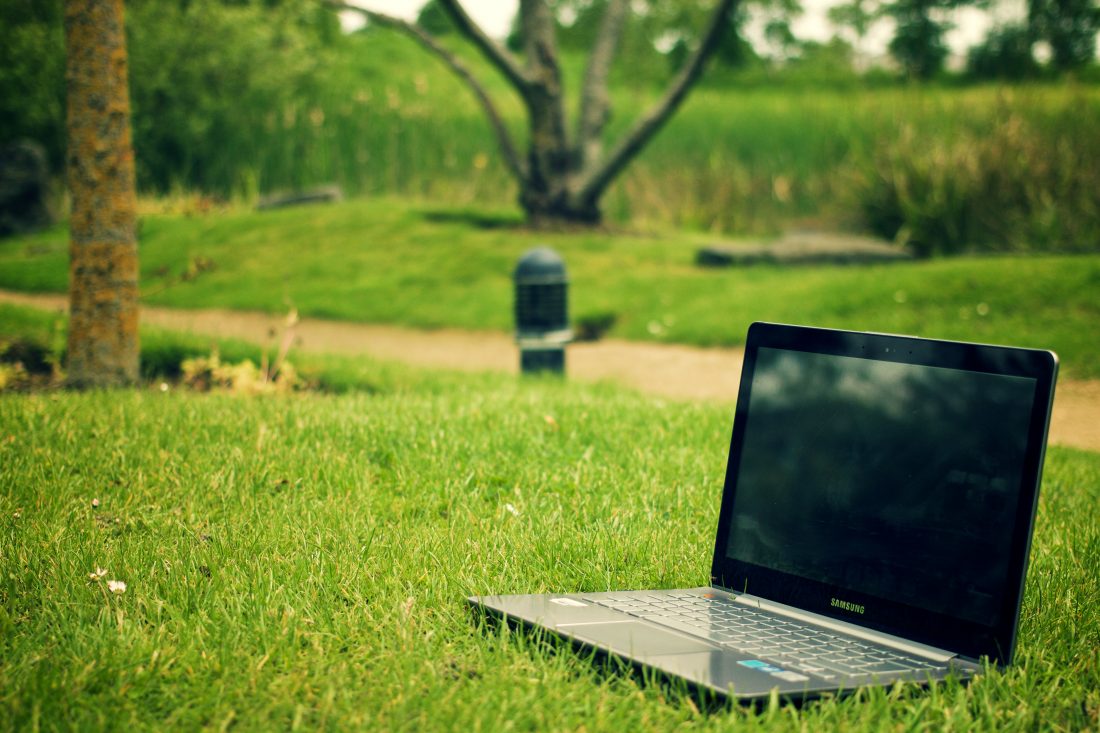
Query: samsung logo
(846, 605)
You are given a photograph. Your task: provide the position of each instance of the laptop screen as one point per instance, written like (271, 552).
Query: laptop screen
(888, 478)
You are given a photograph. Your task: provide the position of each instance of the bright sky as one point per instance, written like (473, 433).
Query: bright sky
(495, 17)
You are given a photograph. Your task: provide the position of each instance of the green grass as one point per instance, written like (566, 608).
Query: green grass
(302, 562)
(389, 261)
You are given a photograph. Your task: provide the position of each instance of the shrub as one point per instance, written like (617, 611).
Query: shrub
(206, 373)
(1019, 186)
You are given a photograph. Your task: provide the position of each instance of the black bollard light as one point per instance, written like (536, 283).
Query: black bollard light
(542, 311)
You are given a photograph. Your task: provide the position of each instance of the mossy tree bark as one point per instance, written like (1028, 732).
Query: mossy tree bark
(103, 265)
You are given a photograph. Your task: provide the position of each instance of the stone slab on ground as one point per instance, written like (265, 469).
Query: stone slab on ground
(804, 248)
(319, 195)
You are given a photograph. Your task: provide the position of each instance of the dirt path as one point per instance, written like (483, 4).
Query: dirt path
(677, 372)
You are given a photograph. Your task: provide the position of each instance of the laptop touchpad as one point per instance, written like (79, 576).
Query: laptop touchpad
(635, 638)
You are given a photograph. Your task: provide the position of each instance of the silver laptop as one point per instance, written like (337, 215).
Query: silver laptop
(875, 523)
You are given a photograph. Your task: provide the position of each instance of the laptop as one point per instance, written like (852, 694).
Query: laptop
(875, 524)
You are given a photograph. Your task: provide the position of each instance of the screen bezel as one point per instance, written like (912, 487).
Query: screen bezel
(995, 641)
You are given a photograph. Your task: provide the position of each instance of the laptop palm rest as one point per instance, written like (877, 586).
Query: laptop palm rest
(634, 638)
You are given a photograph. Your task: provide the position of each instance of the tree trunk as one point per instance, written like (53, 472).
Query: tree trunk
(544, 189)
(103, 269)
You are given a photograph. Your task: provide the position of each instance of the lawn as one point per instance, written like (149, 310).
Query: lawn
(302, 561)
(391, 261)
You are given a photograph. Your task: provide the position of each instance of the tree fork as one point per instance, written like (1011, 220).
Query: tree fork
(561, 181)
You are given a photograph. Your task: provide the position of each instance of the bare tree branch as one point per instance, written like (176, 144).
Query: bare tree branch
(595, 103)
(496, 54)
(593, 183)
(504, 138)
(543, 72)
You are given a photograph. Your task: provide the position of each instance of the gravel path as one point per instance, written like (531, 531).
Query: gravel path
(669, 370)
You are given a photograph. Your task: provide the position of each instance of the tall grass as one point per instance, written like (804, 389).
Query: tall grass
(382, 117)
(1023, 179)
(750, 161)
(921, 163)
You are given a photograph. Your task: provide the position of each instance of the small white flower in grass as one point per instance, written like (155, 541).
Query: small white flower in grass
(116, 586)
(95, 503)
(164, 386)
(98, 574)
(511, 510)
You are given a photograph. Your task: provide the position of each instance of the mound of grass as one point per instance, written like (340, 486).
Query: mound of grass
(303, 561)
(390, 261)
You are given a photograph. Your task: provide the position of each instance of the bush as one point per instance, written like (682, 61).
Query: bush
(1019, 186)
(206, 373)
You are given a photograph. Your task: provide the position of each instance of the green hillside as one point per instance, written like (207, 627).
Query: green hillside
(389, 261)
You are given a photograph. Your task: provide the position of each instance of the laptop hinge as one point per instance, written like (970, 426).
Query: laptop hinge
(894, 642)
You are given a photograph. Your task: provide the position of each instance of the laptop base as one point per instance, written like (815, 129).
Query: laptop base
(700, 659)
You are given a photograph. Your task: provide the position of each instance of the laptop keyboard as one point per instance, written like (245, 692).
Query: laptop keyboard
(785, 642)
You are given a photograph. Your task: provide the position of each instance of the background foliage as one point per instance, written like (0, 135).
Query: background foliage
(237, 98)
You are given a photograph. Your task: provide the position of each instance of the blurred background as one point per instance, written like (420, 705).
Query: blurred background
(956, 124)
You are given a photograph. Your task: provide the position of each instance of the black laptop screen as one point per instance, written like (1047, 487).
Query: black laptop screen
(897, 481)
